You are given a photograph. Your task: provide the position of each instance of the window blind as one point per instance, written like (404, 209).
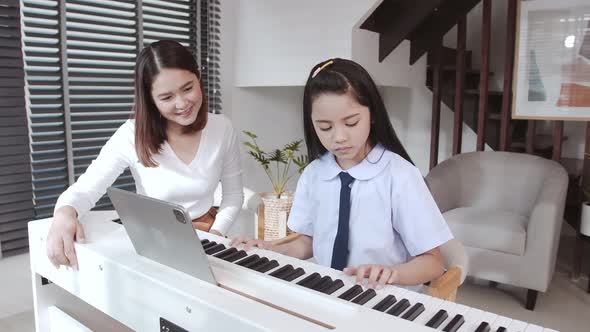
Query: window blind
(16, 204)
(79, 57)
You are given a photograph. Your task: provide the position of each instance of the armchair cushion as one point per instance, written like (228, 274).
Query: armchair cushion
(502, 231)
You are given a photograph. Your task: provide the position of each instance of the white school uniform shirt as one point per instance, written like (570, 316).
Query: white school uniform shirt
(192, 186)
(393, 216)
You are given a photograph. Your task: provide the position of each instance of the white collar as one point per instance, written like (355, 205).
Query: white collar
(375, 162)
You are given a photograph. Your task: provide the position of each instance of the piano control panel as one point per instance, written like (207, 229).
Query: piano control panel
(168, 326)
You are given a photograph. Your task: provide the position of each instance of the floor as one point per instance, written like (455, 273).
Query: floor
(565, 307)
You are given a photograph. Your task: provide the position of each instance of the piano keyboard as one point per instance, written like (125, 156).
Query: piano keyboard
(417, 308)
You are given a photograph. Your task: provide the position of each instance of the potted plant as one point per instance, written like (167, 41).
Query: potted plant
(277, 166)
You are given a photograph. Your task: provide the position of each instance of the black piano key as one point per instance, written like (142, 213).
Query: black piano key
(399, 307)
(248, 259)
(365, 297)
(483, 327)
(255, 262)
(204, 241)
(351, 293)
(312, 278)
(226, 253)
(336, 285)
(258, 264)
(298, 272)
(384, 304)
(216, 248)
(235, 256)
(501, 329)
(455, 324)
(414, 312)
(438, 319)
(209, 245)
(323, 287)
(316, 282)
(323, 284)
(283, 271)
(268, 266)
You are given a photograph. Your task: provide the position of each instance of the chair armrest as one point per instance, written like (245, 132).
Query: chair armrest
(544, 227)
(454, 255)
(286, 239)
(445, 287)
(444, 185)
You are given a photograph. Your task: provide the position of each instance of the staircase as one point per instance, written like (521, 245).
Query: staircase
(517, 128)
(424, 23)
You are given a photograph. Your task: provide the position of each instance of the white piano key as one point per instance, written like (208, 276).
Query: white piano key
(472, 320)
(489, 318)
(501, 321)
(517, 326)
(533, 328)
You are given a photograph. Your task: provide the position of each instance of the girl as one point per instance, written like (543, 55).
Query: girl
(361, 205)
(175, 150)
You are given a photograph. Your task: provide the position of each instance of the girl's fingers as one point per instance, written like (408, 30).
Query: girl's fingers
(239, 240)
(374, 273)
(393, 278)
(385, 274)
(361, 273)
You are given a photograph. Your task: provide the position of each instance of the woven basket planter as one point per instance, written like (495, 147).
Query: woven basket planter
(276, 212)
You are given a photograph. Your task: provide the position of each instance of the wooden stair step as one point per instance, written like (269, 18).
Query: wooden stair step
(453, 68)
(475, 92)
(542, 141)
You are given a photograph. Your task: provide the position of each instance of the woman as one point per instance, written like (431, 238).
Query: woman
(175, 150)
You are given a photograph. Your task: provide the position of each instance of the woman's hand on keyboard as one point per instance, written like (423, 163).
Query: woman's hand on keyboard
(249, 243)
(377, 275)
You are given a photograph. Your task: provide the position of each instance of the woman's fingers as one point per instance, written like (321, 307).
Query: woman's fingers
(70, 252)
(80, 236)
(55, 252)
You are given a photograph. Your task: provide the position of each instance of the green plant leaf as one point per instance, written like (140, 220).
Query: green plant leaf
(252, 147)
(259, 157)
(278, 156)
(301, 162)
(249, 134)
(293, 146)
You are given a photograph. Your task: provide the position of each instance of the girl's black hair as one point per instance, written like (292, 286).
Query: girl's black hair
(345, 76)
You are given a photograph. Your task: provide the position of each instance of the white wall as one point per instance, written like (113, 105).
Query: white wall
(279, 41)
(274, 112)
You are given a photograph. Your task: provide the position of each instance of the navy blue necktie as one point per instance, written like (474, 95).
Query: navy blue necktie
(340, 251)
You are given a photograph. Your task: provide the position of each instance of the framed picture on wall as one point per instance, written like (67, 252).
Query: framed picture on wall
(552, 60)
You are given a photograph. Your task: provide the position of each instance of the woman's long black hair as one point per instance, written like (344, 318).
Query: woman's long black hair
(343, 76)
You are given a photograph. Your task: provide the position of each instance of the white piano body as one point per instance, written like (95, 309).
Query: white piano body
(117, 290)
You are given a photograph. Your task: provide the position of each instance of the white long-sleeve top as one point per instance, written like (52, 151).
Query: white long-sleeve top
(191, 186)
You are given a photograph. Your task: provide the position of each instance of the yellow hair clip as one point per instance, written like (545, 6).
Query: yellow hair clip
(322, 67)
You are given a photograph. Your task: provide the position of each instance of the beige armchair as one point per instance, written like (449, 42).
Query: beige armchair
(507, 210)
